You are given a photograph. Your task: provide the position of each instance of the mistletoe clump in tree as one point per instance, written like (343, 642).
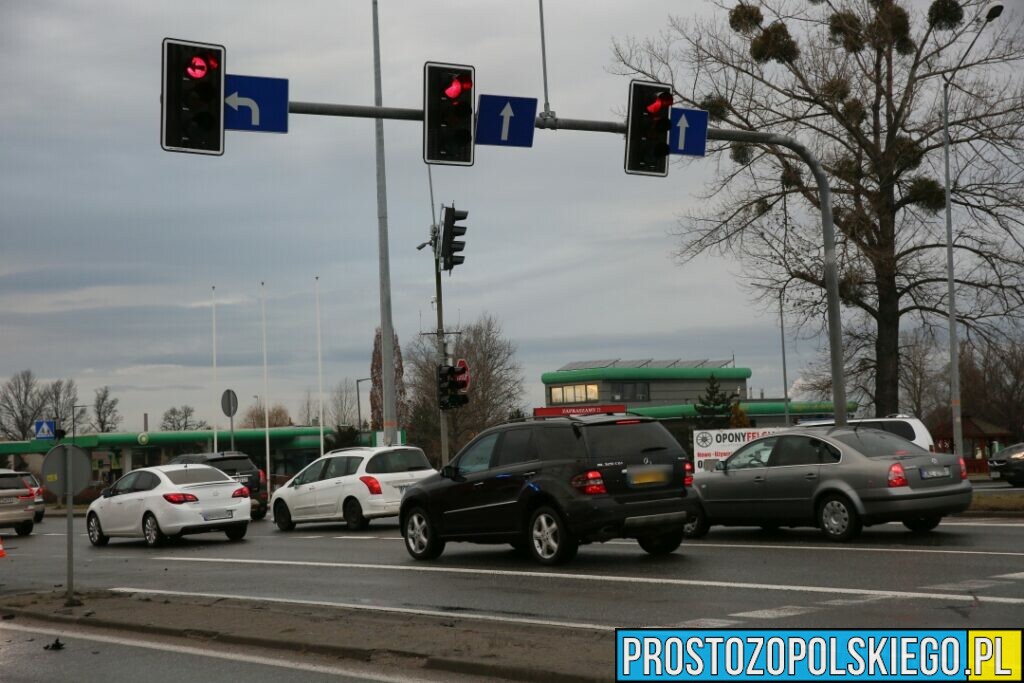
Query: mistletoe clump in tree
(859, 82)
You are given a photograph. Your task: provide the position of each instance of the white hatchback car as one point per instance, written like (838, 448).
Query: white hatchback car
(170, 500)
(351, 484)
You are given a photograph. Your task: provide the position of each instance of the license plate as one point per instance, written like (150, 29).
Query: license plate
(219, 514)
(648, 477)
(6, 501)
(934, 472)
(995, 475)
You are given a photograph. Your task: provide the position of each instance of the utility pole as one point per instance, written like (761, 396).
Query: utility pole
(435, 241)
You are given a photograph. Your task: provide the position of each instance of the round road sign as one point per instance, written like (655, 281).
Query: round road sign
(229, 403)
(54, 470)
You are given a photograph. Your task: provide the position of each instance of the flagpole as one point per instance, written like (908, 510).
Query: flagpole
(266, 387)
(320, 365)
(213, 298)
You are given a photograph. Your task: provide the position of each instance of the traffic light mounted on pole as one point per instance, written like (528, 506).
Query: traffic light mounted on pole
(450, 247)
(647, 128)
(449, 394)
(192, 97)
(448, 113)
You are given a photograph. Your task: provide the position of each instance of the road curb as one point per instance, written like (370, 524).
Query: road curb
(415, 660)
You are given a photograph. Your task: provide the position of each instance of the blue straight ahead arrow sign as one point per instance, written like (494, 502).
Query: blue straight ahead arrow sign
(256, 104)
(505, 121)
(689, 132)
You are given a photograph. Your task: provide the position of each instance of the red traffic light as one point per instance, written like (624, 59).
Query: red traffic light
(661, 102)
(197, 68)
(458, 86)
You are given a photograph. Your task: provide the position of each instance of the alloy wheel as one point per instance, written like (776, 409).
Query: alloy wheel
(835, 517)
(546, 536)
(416, 534)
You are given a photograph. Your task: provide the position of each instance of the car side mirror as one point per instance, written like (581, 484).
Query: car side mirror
(720, 466)
(107, 492)
(448, 472)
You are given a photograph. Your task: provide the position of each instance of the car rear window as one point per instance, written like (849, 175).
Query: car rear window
(12, 481)
(876, 443)
(232, 465)
(561, 443)
(402, 460)
(617, 440)
(196, 475)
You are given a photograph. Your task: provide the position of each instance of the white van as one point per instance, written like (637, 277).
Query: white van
(908, 427)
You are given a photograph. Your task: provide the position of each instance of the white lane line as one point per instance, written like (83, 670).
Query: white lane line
(968, 585)
(204, 652)
(371, 608)
(853, 549)
(981, 523)
(776, 613)
(608, 578)
(306, 538)
(369, 538)
(706, 623)
(1019, 576)
(844, 602)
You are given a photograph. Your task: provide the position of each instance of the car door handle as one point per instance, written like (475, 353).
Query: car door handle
(758, 480)
(479, 483)
(810, 475)
(527, 475)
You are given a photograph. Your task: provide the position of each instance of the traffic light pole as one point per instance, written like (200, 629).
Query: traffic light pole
(435, 235)
(831, 274)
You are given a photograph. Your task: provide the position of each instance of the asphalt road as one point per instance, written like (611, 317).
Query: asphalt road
(991, 486)
(969, 572)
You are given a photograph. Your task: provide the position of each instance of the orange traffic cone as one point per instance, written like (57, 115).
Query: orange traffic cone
(2, 553)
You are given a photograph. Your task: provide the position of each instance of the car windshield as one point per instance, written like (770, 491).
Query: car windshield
(12, 481)
(232, 465)
(617, 440)
(1008, 451)
(196, 475)
(875, 443)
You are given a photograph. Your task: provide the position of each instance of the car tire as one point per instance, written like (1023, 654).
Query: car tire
(96, 535)
(283, 516)
(236, 533)
(260, 513)
(151, 531)
(662, 544)
(420, 536)
(551, 542)
(698, 525)
(838, 519)
(922, 525)
(25, 528)
(38, 518)
(354, 515)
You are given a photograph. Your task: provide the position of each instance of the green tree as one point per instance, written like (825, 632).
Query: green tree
(714, 407)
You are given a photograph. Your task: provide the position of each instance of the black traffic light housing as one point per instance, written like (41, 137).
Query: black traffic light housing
(448, 130)
(192, 97)
(450, 247)
(647, 127)
(448, 395)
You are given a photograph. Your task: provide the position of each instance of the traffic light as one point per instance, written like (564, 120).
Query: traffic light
(647, 127)
(448, 388)
(450, 247)
(448, 113)
(192, 97)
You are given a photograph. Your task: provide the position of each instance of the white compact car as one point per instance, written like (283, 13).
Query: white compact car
(171, 500)
(351, 484)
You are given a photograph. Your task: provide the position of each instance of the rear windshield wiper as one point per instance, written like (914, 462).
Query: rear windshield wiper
(653, 448)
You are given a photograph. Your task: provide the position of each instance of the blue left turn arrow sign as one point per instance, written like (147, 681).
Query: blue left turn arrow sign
(255, 103)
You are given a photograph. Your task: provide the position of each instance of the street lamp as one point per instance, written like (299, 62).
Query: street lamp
(992, 10)
(359, 404)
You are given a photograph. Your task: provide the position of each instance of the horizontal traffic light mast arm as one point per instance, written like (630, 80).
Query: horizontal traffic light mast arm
(726, 135)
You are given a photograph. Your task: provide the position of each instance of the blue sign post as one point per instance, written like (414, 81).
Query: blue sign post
(45, 429)
(505, 121)
(689, 132)
(255, 103)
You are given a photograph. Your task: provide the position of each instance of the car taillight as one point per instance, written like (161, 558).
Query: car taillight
(931, 447)
(179, 498)
(589, 483)
(263, 477)
(241, 493)
(27, 496)
(371, 484)
(963, 469)
(897, 477)
(687, 473)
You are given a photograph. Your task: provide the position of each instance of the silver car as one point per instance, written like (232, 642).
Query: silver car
(839, 479)
(17, 502)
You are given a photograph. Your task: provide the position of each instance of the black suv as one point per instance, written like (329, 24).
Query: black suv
(239, 467)
(549, 485)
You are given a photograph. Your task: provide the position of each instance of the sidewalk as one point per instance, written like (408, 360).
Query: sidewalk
(478, 647)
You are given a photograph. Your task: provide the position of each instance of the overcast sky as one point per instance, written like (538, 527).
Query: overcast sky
(109, 246)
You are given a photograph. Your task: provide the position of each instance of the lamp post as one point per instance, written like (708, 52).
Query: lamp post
(785, 380)
(359, 404)
(992, 10)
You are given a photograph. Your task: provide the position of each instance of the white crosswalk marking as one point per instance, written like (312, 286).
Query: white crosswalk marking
(776, 613)
(707, 623)
(967, 585)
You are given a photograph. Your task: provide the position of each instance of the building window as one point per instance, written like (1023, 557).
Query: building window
(630, 391)
(574, 393)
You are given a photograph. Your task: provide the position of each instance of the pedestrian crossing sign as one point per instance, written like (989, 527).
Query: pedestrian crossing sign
(45, 429)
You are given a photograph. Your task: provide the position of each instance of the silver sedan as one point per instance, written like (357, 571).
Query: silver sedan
(839, 479)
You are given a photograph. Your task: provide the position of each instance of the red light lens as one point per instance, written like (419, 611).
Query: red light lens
(372, 484)
(459, 85)
(897, 477)
(589, 483)
(179, 498)
(662, 102)
(241, 493)
(688, 473)
(963, 469)
(263, 477)
(197, 68)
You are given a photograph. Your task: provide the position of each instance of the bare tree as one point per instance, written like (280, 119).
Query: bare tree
(60, 397)
(309, 410)
(923, 385)
(106, 417)
(993, 381)
(341, 406)
(181, 419)
(21, 404)
(253, 417)
(496, 385)
(859, 82)
(377, 386)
